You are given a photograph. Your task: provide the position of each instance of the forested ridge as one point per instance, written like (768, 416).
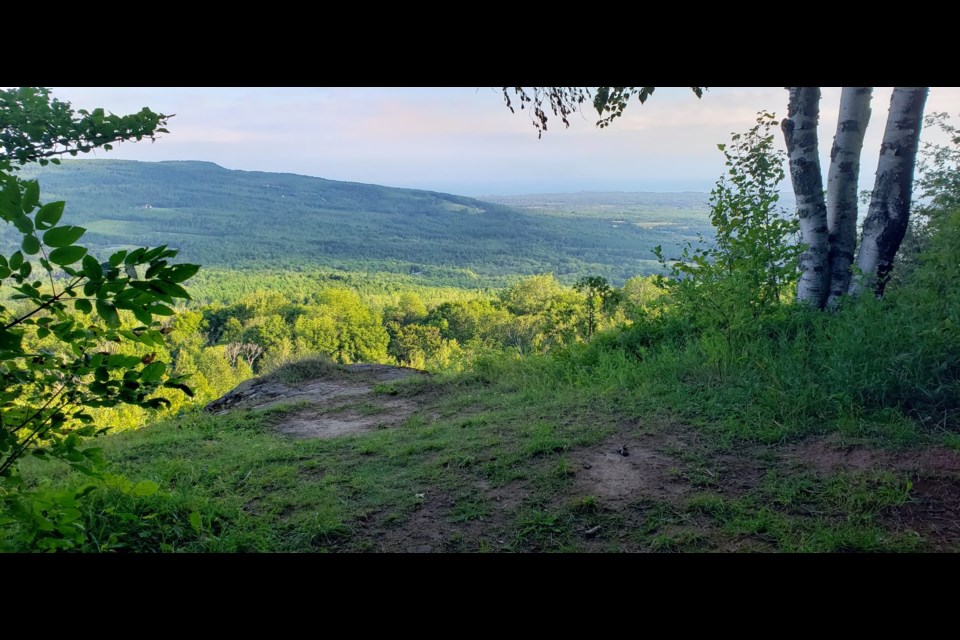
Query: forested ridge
(255, 220)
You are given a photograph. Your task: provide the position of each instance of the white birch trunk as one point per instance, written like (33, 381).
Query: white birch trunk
(889, 211)
(800, 133)
(842, 181)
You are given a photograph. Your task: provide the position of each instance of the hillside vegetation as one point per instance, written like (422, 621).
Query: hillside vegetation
(212, 214)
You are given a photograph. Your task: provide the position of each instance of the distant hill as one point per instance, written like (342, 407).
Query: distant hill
(250, 219)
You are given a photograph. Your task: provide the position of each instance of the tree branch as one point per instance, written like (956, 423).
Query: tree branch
(43, 305)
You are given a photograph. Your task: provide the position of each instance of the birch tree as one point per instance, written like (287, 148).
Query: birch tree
(828, 227)
(889, 211)
(842, 186)
(803, 154)
(827, 222)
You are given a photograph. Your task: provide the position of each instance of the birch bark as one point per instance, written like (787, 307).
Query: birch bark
(887, 217)
(842, 181)
(800, 133)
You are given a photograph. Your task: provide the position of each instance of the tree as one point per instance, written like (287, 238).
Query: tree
(610, 102)
(827, 225)
(600, 298)
(69, 307)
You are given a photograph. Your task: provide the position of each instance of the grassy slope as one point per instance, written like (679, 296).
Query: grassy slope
(244, 219)
(510, 458)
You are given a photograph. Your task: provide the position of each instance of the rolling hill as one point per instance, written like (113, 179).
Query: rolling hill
(249, 219)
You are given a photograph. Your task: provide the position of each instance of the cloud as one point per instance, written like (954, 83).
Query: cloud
(439, 137)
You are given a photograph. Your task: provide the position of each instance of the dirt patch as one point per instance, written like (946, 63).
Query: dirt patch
(507, 498)
(933, 513)
(315, 422)
(746, 545)
(429, 529)
(738, 474)
(829, 454)
(333, 406)
(933, 510)
(603, 471)
(664, 466)
(426, 531)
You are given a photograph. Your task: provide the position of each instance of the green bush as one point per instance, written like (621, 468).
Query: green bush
(68, 312)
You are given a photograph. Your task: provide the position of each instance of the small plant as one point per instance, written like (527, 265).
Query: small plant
(752, 266)
(587, 504)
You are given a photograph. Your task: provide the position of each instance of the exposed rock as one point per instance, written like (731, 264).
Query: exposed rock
(335, 400)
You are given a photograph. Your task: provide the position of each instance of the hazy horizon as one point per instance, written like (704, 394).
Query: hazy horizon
(464, 140)
(481, 196)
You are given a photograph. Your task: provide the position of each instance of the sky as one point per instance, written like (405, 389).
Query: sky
(464, 140)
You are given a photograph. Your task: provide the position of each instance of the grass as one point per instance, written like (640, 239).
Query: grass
(492, 459)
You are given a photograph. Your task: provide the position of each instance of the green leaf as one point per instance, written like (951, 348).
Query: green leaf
(11, 339)
(104, 290)
(117, 258)
(154, 269)
(181, 272)
(195, 521)
(170, 289)
(153, 254)
(108, 312)
(92, 268)
(156, 403)
(134, 256)
(142, 315)
(179, 385)
(23, 224)
(31, 246)
(67, 255)
(153, 372)
(31, 196)
(63, 236)
(83, 306)
(600, 100)
(122, 361)
(145, 488)
(16, 260)
(49, 215)
(160, 309)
